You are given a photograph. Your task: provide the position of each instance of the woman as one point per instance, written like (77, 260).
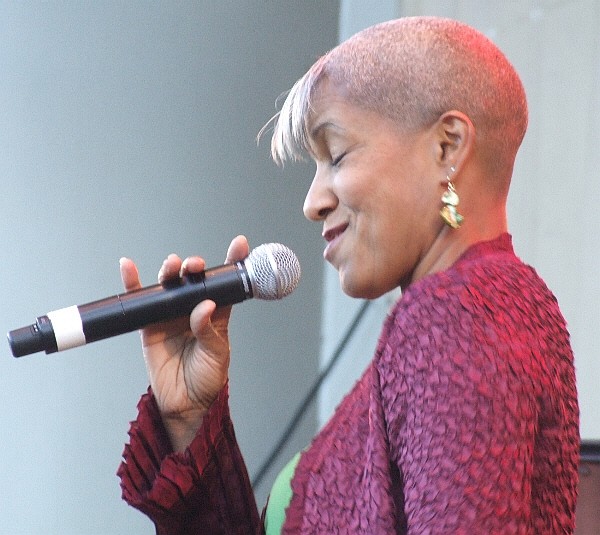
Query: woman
(466, 421)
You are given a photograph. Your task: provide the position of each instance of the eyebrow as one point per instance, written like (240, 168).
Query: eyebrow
(322, 126)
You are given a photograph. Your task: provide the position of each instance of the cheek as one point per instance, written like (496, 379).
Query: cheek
(350, 190)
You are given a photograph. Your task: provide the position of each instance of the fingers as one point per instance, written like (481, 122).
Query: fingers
(173, 266)
(200, 319)
(238, 249)
(129, 274)
(206, 318)
(170, 268)
(192, 264)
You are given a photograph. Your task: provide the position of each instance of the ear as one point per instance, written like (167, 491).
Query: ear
(455, 139)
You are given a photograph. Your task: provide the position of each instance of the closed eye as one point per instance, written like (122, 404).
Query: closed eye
(336, 161)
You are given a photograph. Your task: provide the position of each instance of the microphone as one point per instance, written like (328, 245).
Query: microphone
(271, 271)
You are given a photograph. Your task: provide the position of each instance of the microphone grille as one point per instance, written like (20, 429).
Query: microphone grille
(274, 271)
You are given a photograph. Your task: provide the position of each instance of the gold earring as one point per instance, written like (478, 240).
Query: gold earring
(450, 199)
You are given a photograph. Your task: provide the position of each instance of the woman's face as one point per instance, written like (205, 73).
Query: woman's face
(377, 192)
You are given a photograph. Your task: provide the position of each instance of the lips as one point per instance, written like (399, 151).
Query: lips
(332, 233)
(332, 236)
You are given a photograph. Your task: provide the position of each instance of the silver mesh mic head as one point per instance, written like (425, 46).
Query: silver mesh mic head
(274, 271)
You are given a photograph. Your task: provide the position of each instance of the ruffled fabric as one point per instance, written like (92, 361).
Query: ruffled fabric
(466, 422)
(202, 490)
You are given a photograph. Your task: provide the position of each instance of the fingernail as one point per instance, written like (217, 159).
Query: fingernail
(183, 269)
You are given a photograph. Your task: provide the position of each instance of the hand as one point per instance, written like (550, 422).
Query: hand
(188, 358)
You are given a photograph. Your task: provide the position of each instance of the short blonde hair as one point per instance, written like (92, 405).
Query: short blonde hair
(412, 70)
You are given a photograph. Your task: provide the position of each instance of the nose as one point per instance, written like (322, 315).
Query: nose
(320, 199)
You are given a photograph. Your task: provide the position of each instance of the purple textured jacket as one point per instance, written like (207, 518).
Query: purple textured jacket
(465, 422)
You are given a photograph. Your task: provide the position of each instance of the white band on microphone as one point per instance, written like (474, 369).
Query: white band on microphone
(67, 327)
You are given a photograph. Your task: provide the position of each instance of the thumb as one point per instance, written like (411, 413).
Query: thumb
(238, 249)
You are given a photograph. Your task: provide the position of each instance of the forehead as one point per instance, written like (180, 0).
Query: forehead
(331, 110)
(334, 113)
(325, 98)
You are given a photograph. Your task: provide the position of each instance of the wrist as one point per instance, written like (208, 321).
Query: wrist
(182, 428)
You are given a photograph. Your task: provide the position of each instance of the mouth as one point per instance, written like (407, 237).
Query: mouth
(332, 233)
(332, 237)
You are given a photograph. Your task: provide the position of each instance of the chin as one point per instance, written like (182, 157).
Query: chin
(347, 285)
(360, 290)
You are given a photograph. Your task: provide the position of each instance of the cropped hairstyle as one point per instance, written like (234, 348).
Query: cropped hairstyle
(412, 70)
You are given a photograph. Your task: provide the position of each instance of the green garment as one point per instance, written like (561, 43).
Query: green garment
(280, 497)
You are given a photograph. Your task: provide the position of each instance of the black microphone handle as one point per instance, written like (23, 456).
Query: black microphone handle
(78, 325)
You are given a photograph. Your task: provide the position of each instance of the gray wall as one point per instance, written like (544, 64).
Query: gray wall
(128, 128)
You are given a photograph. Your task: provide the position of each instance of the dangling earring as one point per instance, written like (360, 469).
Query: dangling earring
(450, 199)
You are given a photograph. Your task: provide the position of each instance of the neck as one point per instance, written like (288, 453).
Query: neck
(449, 244)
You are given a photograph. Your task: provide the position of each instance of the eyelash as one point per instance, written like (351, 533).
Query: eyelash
(335, 162)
